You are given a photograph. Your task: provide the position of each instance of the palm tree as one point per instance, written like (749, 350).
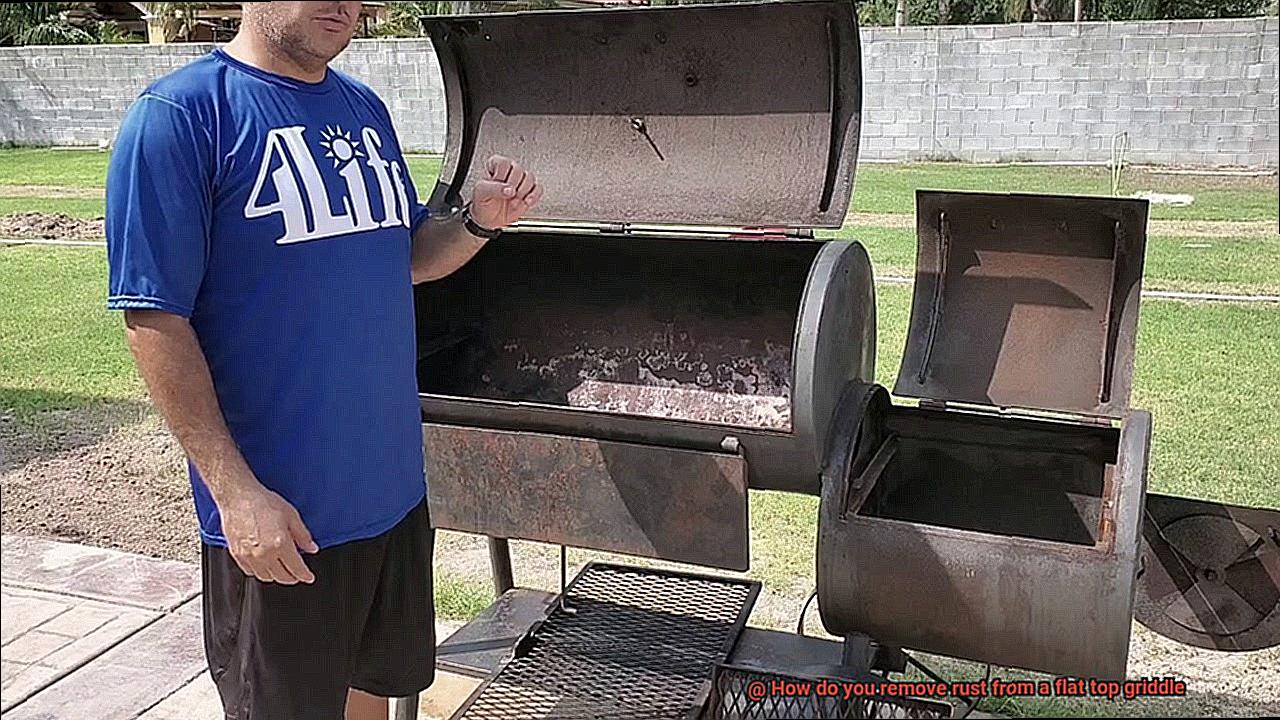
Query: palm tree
(41, 23)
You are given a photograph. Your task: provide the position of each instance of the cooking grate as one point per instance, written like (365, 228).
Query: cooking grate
(635, 643)
(733, 697)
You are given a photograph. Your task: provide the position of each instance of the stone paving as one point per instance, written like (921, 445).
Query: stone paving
(102, 634)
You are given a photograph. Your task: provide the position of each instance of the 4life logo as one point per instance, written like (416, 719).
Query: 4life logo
(289, 184)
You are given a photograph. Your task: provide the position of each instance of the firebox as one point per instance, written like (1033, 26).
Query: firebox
(1000, 518)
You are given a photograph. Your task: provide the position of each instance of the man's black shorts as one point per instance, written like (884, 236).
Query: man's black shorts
(289, 652)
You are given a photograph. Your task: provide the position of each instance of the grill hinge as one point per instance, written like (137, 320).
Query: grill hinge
(1078, 418)
(689, 231)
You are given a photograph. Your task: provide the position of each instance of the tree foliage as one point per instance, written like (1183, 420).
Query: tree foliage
(41, 23)
(402, 18)
(1176, 9)
(968, 12)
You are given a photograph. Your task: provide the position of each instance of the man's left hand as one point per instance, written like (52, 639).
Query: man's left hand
(506, 195)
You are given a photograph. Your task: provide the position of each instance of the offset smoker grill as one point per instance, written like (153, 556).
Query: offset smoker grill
(599, 377)
(666, 333)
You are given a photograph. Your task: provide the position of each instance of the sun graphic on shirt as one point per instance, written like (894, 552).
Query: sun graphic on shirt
(339, 146)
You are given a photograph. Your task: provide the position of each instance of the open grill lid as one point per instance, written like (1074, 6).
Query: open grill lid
(1025, 301)
(739, 115)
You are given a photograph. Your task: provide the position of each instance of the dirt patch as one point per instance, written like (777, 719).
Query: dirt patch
(126, 488)
(49, 226)
(50, 191)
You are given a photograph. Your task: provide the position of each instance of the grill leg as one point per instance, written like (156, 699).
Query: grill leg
(500, 562)
(406, 708)
(858, 652)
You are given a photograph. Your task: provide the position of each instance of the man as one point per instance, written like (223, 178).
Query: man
(263, 240)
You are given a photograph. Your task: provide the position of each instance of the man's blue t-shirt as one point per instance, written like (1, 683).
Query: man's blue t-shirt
(276, 215)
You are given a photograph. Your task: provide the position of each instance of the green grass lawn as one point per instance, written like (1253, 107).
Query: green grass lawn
(75, 207)
(879, 188)
(891, 188)
(46, 166)
(58, 345)
(1249, 264)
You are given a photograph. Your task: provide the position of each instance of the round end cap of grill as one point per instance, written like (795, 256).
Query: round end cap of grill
(1211, 580)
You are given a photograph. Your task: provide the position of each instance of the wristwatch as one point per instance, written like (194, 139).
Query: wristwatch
(475, 228)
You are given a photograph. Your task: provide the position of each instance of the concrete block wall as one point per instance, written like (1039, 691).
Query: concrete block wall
(1186, 92)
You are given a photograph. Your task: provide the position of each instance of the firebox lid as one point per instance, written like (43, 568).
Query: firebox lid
(1025, 301)
(738, 115)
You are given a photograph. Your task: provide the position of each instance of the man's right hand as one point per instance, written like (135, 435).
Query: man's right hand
(263, 531)
(264, 534)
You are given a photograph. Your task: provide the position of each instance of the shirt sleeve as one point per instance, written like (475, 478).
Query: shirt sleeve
(159, 209)
(419, 211)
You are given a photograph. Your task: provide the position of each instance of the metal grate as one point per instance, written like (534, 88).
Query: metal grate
(636, 643)
(731, 699)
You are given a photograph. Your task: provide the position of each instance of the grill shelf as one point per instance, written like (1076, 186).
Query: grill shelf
(634, 643)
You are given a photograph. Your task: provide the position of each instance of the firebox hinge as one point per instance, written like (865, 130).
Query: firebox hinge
(1078, 418)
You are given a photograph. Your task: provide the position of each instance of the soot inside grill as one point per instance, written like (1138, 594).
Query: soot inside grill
(696, 330)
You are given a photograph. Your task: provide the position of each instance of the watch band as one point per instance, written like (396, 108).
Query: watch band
(475, 228)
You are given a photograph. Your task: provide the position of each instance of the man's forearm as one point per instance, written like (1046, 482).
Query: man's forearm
(440, 248)
(177, 375)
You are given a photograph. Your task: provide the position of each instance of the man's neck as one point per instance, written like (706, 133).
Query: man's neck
(252, 49)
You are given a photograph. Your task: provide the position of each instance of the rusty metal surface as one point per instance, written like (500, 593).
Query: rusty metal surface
(1210, 574)
(1025, 301)
(1000, 540)
(677, 505)
(479, 648)
(698, 405)
(697, 331)
(657, 341)
(742, 115)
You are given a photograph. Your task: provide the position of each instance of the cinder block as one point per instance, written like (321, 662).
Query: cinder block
(1117, 115)
(1194, 101)
(1017, 101)
(1206, 116)
(910, 116)
(1046, 72)
(1075, 72)
(1026, 115)
(1002, 142)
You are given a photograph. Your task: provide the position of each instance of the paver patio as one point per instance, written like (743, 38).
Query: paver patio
(103, 634)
